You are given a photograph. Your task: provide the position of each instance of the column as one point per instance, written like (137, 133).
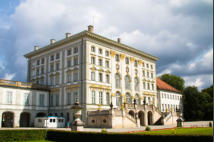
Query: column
(0, 118)
(146, 118)
(16, 119)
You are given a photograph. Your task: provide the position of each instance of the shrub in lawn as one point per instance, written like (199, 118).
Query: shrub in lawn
(104, 130)
(148, 128)
(210, 124)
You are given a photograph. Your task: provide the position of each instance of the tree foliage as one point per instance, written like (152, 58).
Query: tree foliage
(175, 81)
(197, 105)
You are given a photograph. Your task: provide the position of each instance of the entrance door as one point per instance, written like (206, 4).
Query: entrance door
(24, 119)
(7, 119)
(150, 118)
(141, 117)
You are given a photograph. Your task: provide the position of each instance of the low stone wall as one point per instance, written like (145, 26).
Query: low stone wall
(196, 123)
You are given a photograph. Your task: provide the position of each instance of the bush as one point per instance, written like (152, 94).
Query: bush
(148, 128)
(22, 135)
(104, 130)
(210, 124)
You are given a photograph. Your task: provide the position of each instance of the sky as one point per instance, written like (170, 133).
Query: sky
(178, 32)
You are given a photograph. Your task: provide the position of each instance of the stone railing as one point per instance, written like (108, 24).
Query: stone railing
(22, 84)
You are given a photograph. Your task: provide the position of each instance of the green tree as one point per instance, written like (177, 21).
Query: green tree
(209, 90)
(175, 81)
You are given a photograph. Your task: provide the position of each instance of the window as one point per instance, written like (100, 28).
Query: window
(136, 82)
(52, 67)
(118, 99)
(92, 49)
(137, 98)
(42, 70)
(57, 99)
(75, 50)
(57, 66)
(127, 60)
(117, 67)
(41, 99)
(93, 97)
(100, 51)
(127, 82)
(143, 64)
(107, 53)
(151, 67)
(93, 76)
(37, 62)
(37, 71)
(69, 63)
(51, 80)
(42, 80)
(26, 99)
(57, 79)
(107, 98)
(148, 86)
(76, 98)
(151, 75)
(57, 55)
(51, 100)
(148, 74)
(75, 76)
(117, 57)
(152, 86)
(100, 62)
(100, 77)
(128, 98)
(147, 65)
(68, 77)
(68, 52)
(107, 79)
(92, 60)
(143, 73)
(43, 60)
(68, 98)
(107, 64)
(100, 97)
(52, 57)
(135, 63)
(117, 81)
(75, 61)
(9, 97)
(144, 85)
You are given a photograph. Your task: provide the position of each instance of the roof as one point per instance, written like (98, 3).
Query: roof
(161, 85)
(93, 36)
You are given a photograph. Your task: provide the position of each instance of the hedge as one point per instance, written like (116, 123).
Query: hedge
(22, 135)
(65, 136)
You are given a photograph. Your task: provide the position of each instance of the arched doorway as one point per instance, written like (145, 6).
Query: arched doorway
(7, 119)
(25, 119)
(40, 114)
(118, 99)
(131, 112)
(150, 122)
(141, 117)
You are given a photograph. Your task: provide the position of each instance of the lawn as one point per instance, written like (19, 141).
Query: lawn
(181, 131)
(39, 141)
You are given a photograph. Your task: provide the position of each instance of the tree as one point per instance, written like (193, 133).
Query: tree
(209, 90)
(175, 81)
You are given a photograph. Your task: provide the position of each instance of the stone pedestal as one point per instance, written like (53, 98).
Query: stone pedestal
(77, 125)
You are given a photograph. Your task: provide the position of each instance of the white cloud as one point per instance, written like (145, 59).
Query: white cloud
(8, 76)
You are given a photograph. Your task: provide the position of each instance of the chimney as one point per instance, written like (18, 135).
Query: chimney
(52, 41)
(36, 48)
(118, 40)
(67, 35)
(90, 28)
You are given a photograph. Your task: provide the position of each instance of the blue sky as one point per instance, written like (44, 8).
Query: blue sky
(179, 32)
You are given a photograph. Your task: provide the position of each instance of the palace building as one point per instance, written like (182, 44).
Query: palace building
(114, 83)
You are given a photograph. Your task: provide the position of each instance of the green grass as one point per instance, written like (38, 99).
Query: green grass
(181, 131)
(39, 141)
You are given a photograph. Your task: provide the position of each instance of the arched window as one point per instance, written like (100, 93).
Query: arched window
(107, 98)
(118, 99)
(128, 98)
(93, 97)
(127, 82)
(137, 98)
(117, 80)
(127, 60)
(136, 84)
